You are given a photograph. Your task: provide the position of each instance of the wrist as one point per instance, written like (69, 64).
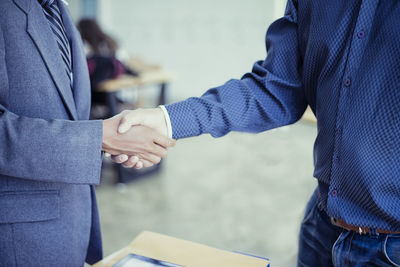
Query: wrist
(107, 132)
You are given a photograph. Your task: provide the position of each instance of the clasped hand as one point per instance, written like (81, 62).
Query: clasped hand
(136, 143)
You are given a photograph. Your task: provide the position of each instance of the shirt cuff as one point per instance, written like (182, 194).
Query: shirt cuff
(167, 120)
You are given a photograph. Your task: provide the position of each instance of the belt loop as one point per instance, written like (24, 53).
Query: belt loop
(373, 232)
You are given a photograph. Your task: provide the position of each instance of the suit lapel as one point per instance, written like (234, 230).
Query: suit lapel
(40, 32)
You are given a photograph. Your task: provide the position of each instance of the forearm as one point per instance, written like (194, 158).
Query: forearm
(54, 151)
(239, 105)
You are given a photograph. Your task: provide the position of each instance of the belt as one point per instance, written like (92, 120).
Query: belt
(358, 229)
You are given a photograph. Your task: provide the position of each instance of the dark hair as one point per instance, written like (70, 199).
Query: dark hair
(97, 39)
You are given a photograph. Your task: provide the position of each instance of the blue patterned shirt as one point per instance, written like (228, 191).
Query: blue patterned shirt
(341, 58)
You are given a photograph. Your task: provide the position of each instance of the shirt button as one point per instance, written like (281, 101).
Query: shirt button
(336, 159)
(360, 34)
(339, 130)
(334, 193)
(347, 82)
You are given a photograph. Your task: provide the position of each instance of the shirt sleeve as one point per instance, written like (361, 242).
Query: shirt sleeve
(47, 150)
(167, 121)
(271, 95)
(51, 151)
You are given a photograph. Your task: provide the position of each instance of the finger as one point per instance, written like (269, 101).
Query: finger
(131, 162)
(128, 165)
(158, 151)
(134, 159)
(150, 158)
(164, 141)
(147, 164)
(139, 165)
(127, 121)
(113, 152)
(120, 158)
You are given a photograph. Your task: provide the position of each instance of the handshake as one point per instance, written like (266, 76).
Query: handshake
(137, 138)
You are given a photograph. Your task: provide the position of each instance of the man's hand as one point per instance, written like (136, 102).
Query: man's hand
(140, 146)
(153, 118)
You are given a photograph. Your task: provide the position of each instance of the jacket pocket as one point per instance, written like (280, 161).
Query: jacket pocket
(29, 206)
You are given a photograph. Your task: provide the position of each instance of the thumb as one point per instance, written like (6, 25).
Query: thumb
(164, 141)
(127, 122)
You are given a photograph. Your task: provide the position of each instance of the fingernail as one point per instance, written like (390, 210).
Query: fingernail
(123, 158)
(139, 165)
(123, 128)
(107, 155)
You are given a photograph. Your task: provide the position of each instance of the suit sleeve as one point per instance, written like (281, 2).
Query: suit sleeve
(51, 151)
(270, 96)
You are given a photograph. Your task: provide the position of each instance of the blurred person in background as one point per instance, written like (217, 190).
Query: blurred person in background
(342, 59)
(101, 53)
(96, 42)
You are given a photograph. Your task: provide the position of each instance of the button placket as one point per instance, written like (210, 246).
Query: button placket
(356, 50)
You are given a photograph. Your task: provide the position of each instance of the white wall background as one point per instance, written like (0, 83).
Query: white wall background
(204, 42)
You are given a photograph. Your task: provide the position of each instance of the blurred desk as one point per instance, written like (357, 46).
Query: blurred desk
(145, 78)
(182, 252)
(110, 87)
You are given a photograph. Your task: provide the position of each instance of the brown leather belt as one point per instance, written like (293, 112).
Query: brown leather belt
(357, 229)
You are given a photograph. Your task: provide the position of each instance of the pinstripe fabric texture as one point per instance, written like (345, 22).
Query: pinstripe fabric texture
(342, 58)
(53, 15)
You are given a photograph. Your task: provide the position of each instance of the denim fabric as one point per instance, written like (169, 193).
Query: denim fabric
(323, 244)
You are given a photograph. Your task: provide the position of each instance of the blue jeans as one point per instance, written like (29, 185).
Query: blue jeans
(322, 244)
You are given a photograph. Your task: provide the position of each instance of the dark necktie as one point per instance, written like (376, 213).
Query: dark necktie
(53, 15)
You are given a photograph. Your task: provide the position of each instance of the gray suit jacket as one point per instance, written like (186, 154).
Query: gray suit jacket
(50, 154)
